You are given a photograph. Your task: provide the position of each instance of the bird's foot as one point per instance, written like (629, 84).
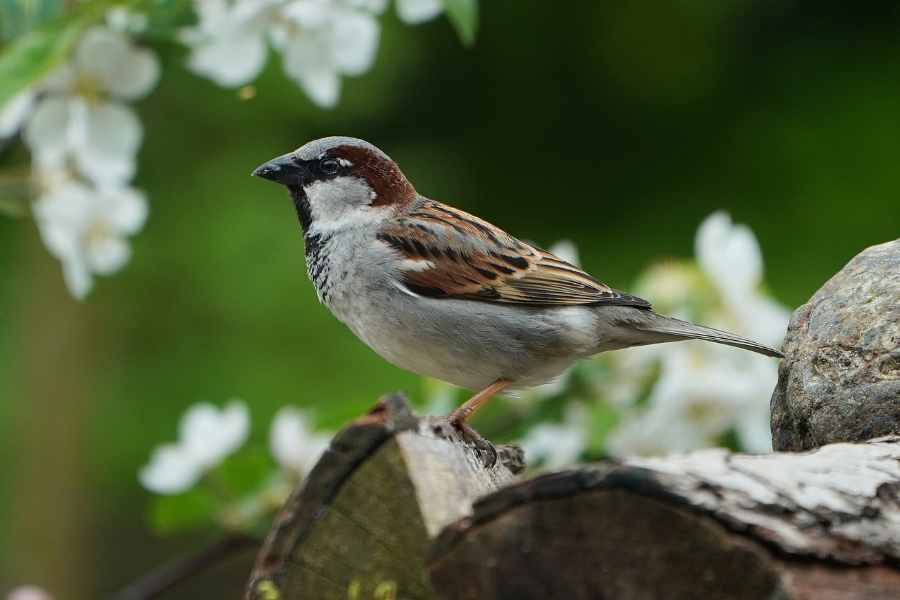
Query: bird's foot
(486, 451)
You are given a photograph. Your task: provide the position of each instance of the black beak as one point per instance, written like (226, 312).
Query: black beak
(284, 170)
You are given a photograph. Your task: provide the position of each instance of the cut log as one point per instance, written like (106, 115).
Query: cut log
(710, 524)
(359, 525)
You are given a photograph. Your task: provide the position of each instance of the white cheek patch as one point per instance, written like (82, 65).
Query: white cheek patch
(342, 203)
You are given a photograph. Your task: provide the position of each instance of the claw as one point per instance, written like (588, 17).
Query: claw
(487, 452)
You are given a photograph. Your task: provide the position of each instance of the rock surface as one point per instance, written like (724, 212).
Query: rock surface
(840, 379)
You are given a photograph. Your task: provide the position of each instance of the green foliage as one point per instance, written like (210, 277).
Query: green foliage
(603, 419)
(238, 495)
(187, 511)
(244, 472)
(19, 16)
(34, 54)
(167, 17)
(463, 14)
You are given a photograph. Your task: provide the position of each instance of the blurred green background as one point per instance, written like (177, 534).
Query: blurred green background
(618, 124)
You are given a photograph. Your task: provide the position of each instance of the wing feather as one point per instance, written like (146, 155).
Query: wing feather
(454, 254)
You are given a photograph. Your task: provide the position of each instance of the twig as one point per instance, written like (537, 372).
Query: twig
(166, 576)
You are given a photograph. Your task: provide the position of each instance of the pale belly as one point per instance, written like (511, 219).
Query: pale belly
(469, 343)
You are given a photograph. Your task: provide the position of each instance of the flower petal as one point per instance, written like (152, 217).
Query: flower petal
(230, 61)
(413, 12)
(125, 208)
(62, 215)
(105, 253)
(209, 434)
(293, 443)
(729, 254)
(15, 112)
(171, 470)
(308, 14)
(354, 42)
(557, 444)
(116, 65)
(45, 134)
(306, 61)
(77, 275)
(112, 136)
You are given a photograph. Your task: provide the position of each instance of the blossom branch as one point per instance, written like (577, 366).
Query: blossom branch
(168, 575)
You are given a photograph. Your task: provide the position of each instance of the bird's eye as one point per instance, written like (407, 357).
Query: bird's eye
(329, 165)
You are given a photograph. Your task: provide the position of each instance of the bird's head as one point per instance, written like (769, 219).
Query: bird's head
(340, 183)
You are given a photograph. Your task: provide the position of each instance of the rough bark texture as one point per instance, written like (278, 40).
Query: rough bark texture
(840, 380)
(710, 524)
(362, 520)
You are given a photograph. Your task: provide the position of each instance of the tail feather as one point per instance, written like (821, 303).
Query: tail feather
(661, 328)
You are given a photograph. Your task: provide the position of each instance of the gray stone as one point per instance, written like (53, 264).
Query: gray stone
(840, 379)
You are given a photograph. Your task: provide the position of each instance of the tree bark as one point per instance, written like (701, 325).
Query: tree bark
(361, 522)
(402, 508)
(710, 524)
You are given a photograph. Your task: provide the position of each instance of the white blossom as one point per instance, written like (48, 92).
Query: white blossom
(206, 435)
(557, 444)
(413, 12)
(80, 120)
(228, 45)
(86, 227)
(84, 141)
(320, 41)
(122, 19)
(108, 61)
(697, 392)
(730, 255)
(100, 138)
(29, 592)
(702, 392)
(294, 444)
(15, 113)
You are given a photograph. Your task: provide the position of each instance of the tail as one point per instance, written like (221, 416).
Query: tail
(647, 327)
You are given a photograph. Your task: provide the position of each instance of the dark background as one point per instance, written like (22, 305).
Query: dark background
(618, 124)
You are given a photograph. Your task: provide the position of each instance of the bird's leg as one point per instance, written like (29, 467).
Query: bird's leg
(458, 418)
(461, 414)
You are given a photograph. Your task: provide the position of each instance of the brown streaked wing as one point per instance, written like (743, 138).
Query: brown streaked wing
(457, 255)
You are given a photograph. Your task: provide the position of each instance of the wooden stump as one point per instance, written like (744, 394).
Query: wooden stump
(359, 525)
(401, 508)
(710, 524)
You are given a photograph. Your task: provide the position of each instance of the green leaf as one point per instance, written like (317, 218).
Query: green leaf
(34, 54)
(168, 17)
(243, 472)
(463, 14)
(193, 509)
(12, 19)
(46, 10)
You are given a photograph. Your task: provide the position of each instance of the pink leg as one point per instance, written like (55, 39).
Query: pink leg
(477, 401)
(458, 418)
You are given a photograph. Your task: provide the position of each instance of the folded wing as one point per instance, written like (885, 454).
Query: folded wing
(449, 253)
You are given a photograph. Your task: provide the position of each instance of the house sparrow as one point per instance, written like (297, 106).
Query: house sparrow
(440, 292)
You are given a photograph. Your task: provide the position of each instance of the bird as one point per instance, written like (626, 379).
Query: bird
(444, 294)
